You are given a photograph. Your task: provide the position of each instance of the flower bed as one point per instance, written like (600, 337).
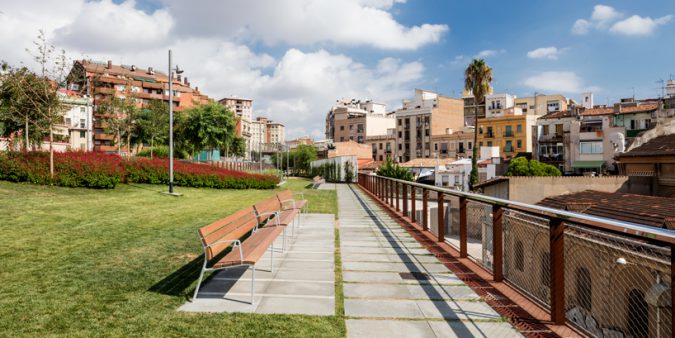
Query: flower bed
(105, 171)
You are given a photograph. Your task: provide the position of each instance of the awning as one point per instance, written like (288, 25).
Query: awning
(587, 164)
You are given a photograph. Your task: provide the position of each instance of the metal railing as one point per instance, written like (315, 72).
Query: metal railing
(603, 276)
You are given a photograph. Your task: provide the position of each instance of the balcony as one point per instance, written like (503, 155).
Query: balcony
(565, 265)
(489, 134)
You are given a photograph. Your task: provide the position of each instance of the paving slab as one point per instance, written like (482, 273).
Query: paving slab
(393, 287)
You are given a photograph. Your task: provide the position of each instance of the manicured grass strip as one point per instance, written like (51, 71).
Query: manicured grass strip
(80, 263)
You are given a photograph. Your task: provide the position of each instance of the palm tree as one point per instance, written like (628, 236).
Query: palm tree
(477, 79)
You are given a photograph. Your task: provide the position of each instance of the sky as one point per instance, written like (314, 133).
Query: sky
(295, 58)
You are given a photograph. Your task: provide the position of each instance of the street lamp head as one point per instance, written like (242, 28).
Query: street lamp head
(178, 70)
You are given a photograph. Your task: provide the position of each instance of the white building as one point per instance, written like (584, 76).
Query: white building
(495, 104)
(456, 175)
(78, 121)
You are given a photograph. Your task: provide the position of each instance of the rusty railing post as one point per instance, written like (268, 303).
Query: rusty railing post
(398, 197)
(425, 210)
(497, 244)
(463, 204)
(405, 200)
(441, 216)
(413, 201)
(557, 267)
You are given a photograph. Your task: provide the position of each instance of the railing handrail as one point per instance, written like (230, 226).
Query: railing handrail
(634, 229)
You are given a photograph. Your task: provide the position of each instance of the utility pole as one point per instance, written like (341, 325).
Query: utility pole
(170, 126)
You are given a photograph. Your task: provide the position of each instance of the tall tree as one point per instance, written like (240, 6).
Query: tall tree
(153, 124)
(210, 126)
(477, 79)
(119, 118)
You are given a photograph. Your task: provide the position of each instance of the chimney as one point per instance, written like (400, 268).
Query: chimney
(179, 78)
(196, 89)
(185, 81)
(133, 68)
(109, 64)
(151, 71)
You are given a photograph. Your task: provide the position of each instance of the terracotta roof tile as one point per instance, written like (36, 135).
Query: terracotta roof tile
(641, 209)
(658, 146)
(643, 108)
(557, 115)
(597, 111)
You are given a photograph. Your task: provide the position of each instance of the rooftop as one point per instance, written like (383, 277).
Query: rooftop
(659, 146)
(640, 209)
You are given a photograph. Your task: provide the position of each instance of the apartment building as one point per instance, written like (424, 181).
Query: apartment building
(103, 79)
(305, 140)
(77, 120)
(541, 104)
(510, 130)
(594, 141)
(635, 116)
(355, 120)
(419, 119)
(241, 107)
(276, 133)
(551, 139)
(456, 145)
(383, 145)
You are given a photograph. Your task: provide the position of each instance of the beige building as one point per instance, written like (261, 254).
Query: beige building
(239, 106)
(276, 133)
(456, 145)
(511, 131)
(419, 119)
(355, 120)
(541, 104)
(382, 145)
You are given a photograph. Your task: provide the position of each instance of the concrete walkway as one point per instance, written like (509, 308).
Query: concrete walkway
(394, 287)
(302, 281)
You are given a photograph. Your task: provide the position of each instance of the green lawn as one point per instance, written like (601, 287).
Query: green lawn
(79, 262)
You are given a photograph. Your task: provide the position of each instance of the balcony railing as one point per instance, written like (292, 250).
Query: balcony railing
(598, 275)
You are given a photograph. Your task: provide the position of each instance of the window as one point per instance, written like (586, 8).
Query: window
(632, 125)
(435, 146)
(480, 130)
(509, 131)
(637, 315)
(426, 132)
(545, 128)
(592, 147)
(519, 128)
(470, 145)
(380, 157)
(68, 121)
(584, 288)
(545, 269)
(489, 131)
(82, 109)
(380, 146)
(83, 123)
(359, 128)
(519, 259)
(342, 139)
(519, 144)
(342, 127)
(508, 147)
(480, 144)
(351, 127)
(558, 130)
(400, 146)
(83, 134)
(400, 121)
(400, 134)
(489, 144)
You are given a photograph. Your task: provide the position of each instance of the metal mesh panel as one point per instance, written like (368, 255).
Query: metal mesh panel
(479, 233)
(616, 286)
(527, 254)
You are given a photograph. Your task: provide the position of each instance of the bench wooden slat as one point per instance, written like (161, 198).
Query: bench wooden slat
(265, 207)
(230, 228)
(254, 247)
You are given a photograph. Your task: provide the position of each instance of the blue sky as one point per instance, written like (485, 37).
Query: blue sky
(296, 57)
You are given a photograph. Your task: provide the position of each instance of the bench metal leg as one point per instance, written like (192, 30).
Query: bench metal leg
(199, 281)
(252, 283)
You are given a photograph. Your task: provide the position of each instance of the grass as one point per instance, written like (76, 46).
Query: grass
(80, 262)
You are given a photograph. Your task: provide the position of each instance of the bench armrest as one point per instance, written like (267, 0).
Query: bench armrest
(288, 200)
(271, 213)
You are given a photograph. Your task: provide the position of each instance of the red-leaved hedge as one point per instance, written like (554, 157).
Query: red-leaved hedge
(105, 171)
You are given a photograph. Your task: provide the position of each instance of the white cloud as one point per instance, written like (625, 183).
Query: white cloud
(581, 27)
(304, 22)
(603, 14)
(605, 17)
(297, 88)
(556, 81)
(544, 53)
(639, 26)
(489, 53)
(106, 26)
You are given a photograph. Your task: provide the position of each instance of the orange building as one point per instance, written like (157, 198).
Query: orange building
(100, 80)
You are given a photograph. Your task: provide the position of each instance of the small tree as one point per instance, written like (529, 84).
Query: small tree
(237, 146)
(119, 119)
(520, 166)
(349, 172)
(303, 156)
(393, 170)
(210, 126)
(153, 124)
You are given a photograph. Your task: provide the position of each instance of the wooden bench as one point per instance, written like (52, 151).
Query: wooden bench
(317, 181)
(228, 232)
(270, 211)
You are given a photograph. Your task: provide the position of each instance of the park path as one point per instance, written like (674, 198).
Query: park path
(394, 287)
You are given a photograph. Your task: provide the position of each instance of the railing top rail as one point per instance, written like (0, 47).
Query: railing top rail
(634, 229)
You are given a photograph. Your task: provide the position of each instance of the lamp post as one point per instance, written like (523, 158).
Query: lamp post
(178, 71)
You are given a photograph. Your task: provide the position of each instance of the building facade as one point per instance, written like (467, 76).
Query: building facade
(78, 120)
(551, 140)
(241, 107)
(355, 120)
(541, 104)
(382, 145)
(419, 119)
(102, 80)
(511, 131)
(456, 145)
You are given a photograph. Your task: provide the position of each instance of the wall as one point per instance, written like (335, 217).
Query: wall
(521, 188)
(341, 161)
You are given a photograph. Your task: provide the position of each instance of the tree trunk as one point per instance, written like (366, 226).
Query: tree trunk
(152, 145)
(128, 145)
(51, 150)
(26, 145)
(473, 178)
(119, 143)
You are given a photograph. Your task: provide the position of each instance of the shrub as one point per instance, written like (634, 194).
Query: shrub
(157, 151)
(71, 169)
(393, 170)
(105, 171)
(520, 166)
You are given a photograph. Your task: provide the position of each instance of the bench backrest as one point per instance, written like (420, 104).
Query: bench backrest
(232, 227)
(285, 195)
(264, 208)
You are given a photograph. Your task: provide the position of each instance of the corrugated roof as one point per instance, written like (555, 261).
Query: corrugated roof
(640, 209)
(658, 146)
